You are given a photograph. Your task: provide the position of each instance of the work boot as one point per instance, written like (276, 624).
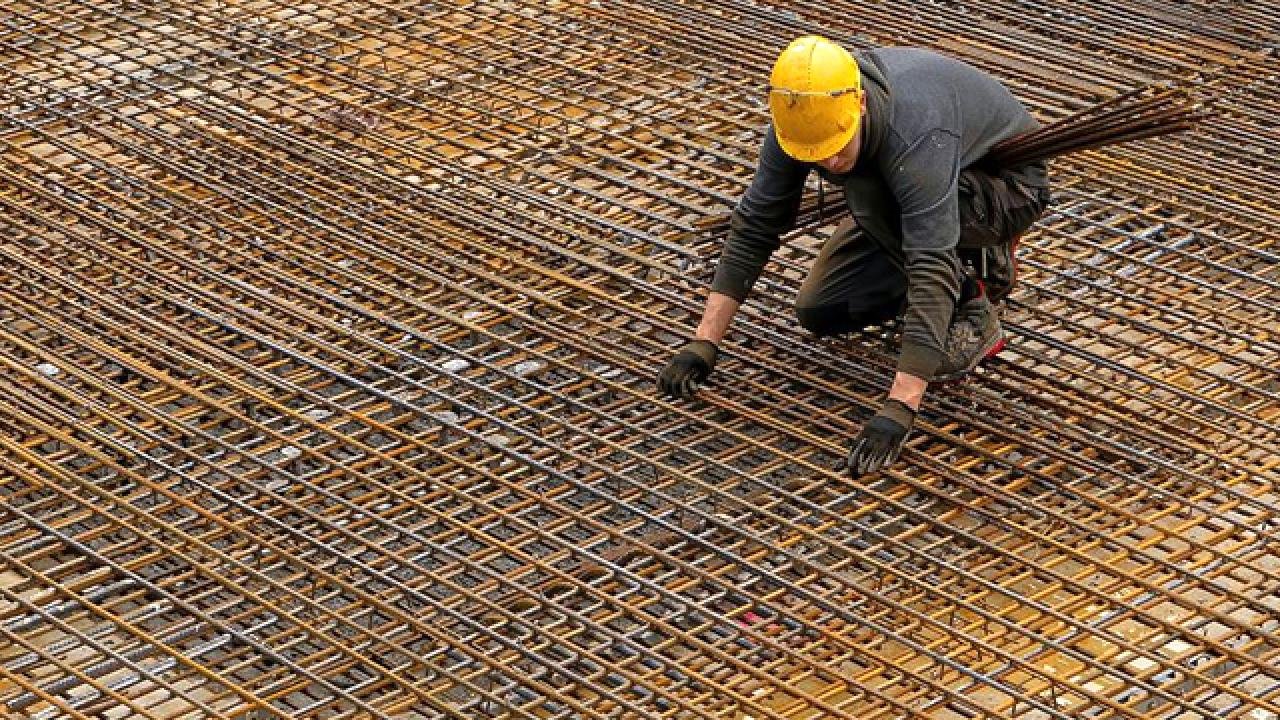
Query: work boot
(974, 336)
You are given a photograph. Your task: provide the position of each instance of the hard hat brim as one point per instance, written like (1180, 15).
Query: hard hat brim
(813, 152)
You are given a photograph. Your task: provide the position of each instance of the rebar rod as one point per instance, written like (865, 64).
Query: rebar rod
(327, 343)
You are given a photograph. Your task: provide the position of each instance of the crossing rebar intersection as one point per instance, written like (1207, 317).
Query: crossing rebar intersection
(328, 335)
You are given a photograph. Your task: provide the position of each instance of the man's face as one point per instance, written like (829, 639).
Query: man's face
(843, 161)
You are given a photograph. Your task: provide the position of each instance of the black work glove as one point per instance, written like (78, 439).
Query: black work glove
(681, 377)
(880, 440)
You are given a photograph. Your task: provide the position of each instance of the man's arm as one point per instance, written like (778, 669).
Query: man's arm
(923, 182)
(716, 317)
(908, 389)
(767, 209)
(925, 186)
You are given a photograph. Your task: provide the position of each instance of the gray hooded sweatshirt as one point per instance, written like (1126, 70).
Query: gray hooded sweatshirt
(928, 117)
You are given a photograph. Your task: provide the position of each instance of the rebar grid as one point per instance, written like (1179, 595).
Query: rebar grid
(328, 339)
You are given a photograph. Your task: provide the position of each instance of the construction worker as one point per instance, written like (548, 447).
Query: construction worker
(932, 234)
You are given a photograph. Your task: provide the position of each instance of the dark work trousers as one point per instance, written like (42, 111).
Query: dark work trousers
(856, 282)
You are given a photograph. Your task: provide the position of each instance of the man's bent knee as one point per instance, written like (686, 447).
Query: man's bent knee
(823, 320)
(839, 318)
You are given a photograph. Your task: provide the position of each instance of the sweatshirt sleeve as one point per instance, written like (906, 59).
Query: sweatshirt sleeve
(924, 181)
(767, 210)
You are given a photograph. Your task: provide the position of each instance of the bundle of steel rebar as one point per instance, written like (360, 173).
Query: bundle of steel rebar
(1142, 113)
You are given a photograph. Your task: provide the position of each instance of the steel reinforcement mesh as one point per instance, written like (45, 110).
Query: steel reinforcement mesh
(328, 339)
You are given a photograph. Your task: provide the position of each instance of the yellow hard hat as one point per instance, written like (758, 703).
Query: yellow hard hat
(815, 98)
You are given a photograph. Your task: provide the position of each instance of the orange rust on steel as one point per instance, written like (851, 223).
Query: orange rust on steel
(743, 669)
(327, 341)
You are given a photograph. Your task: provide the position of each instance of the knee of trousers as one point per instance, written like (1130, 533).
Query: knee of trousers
(823, 320)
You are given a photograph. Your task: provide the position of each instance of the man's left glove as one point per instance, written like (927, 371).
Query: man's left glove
(881, 439)
(681, 377)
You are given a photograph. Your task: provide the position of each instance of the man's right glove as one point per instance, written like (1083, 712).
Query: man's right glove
(881, 439)
(681, 377)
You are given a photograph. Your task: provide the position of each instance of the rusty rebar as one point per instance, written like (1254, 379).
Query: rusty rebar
(327, 342)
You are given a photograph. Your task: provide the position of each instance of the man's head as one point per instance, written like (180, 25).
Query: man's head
(816, 102)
